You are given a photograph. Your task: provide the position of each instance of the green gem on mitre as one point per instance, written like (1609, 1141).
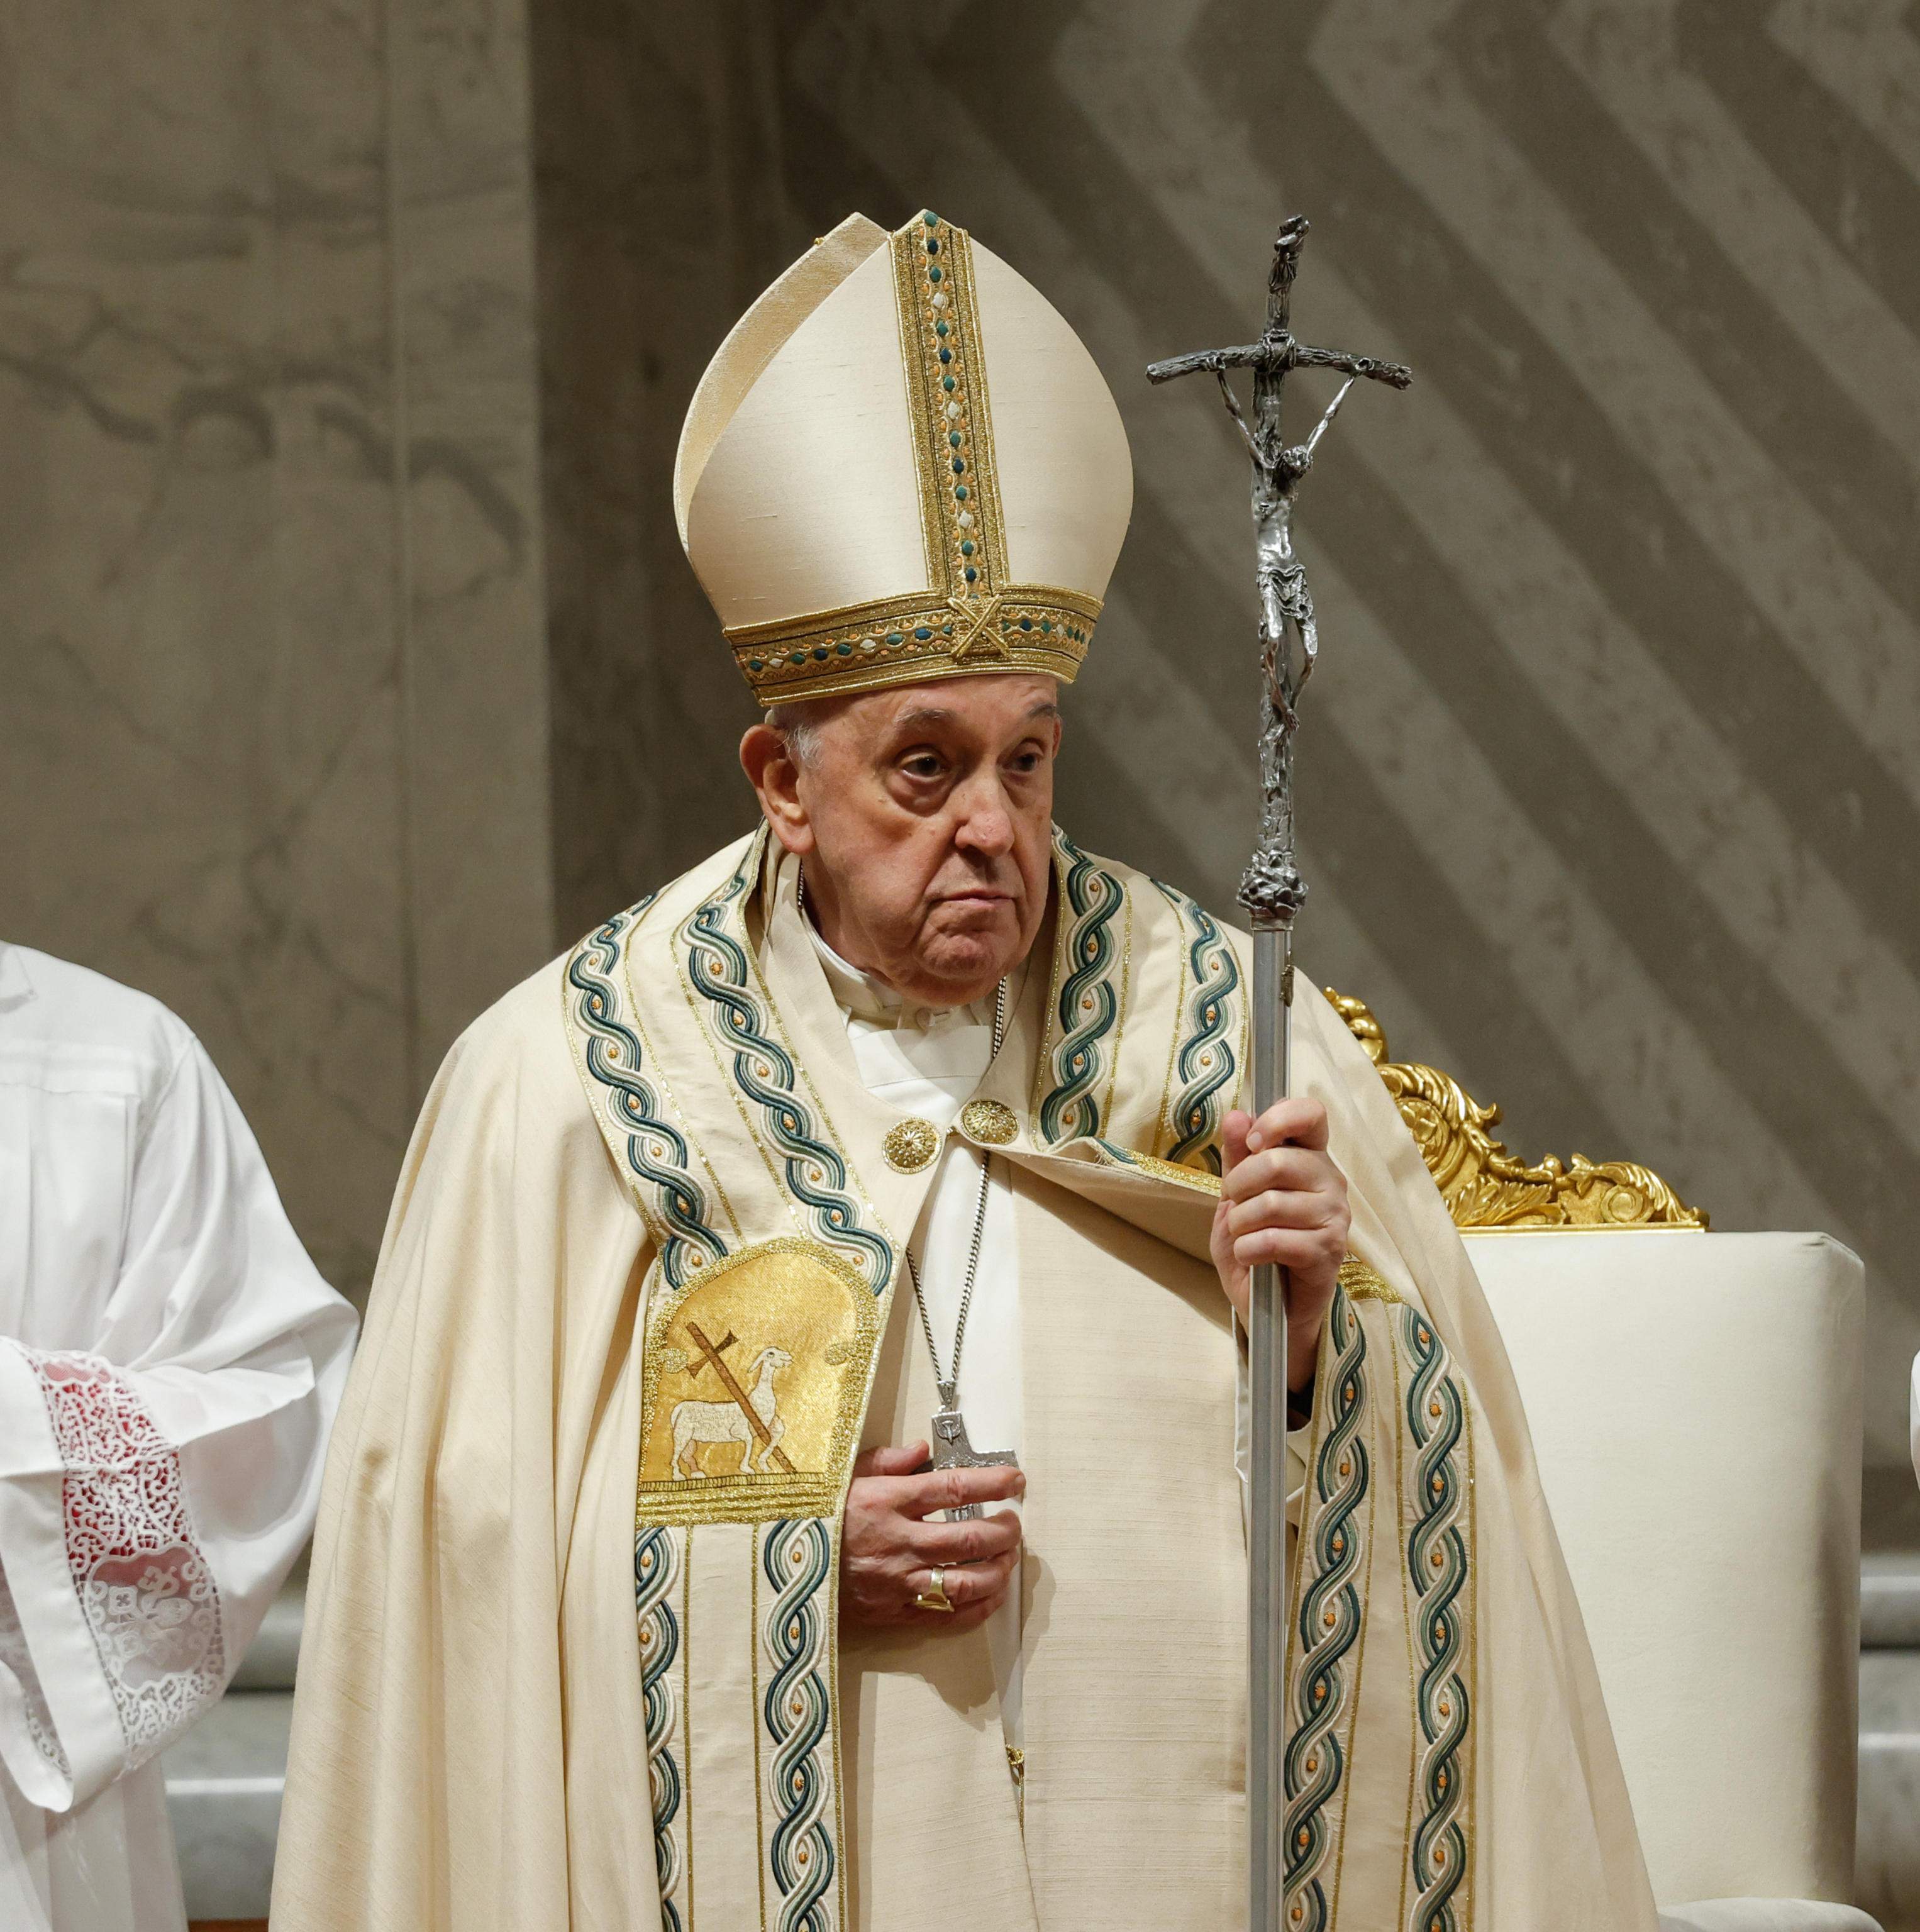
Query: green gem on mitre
(797, 657)
(845, 650)
(922, 632)
(960, 491)
(933, 274)
(756, 663)
(947, 383)
(932, 220)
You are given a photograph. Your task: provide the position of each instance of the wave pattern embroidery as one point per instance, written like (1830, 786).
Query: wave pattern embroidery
(796, 1558)
(656, 1152)
(145, 1589)
(1207, 1061)
(1332, 1611)
(656, 1571)
(816, 1174)
(1439, 1563)
(1089, 1005)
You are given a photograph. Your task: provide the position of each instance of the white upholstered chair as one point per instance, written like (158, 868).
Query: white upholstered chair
(1695, 1400)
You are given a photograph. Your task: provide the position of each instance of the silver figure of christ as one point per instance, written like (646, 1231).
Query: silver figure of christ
(952, 1450)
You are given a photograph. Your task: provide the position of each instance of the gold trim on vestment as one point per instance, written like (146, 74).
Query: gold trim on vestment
(1362, 1284)
(759, 1770)
(907, 639)
(1406, 1621)
(686, 1706)
(945, 361)
(1471, 1650)
(1200, 1181)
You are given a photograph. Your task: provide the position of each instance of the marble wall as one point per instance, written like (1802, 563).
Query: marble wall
(273, 740)
(661, 202)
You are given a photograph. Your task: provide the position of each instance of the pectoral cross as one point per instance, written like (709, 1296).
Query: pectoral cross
(952, 1450)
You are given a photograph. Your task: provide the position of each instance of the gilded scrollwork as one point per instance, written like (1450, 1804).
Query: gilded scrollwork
(1486, 1186)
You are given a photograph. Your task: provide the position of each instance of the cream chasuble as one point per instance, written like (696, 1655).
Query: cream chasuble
(571, 1656)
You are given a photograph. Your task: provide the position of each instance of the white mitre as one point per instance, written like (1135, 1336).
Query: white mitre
(902, 465)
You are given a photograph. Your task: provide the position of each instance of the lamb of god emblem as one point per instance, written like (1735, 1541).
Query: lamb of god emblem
(754, 1379)
(749, 1416)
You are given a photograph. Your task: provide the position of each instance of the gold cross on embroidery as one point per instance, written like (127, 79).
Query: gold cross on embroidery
(709, 1352)
(980, 639)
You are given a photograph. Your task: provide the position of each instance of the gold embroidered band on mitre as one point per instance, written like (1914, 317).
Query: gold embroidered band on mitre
(977, 621)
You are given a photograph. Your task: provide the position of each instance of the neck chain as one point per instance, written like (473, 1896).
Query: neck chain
(948, 1384)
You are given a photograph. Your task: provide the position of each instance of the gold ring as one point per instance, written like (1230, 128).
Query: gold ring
(936, 1598)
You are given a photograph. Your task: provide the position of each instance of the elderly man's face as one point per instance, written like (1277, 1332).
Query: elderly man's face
(922, 816)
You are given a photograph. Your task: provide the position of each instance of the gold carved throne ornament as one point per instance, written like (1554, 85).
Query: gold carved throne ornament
(1483, 1185)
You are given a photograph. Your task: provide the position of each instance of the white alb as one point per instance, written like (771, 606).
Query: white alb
(170, 1362)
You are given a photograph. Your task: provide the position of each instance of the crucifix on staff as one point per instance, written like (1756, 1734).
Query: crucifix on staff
(1273, 892)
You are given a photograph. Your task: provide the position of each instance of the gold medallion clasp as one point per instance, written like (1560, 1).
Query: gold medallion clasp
(992, 1121)
(911, 1145)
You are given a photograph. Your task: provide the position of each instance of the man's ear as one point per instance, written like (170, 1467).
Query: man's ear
(775, 778)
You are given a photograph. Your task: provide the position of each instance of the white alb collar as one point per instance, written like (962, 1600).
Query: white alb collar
(866, 996)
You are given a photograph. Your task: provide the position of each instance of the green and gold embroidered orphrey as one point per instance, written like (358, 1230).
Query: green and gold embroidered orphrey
(1389, 1502)
(970, 616)
(1146, 1040)
(760, 1350)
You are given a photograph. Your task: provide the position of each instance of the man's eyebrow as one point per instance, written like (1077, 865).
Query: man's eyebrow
(939, 714)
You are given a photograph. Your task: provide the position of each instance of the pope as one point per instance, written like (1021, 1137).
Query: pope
(795, 1475)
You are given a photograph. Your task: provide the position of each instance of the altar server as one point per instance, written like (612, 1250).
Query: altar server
(905, 1130)
(170, 1362)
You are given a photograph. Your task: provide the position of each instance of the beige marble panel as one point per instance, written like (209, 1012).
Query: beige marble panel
(273, 740)
(661, 198)
(196, 587)
(480, 905)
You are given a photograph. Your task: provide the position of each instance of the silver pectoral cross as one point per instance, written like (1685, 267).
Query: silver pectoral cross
(952, 1450)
